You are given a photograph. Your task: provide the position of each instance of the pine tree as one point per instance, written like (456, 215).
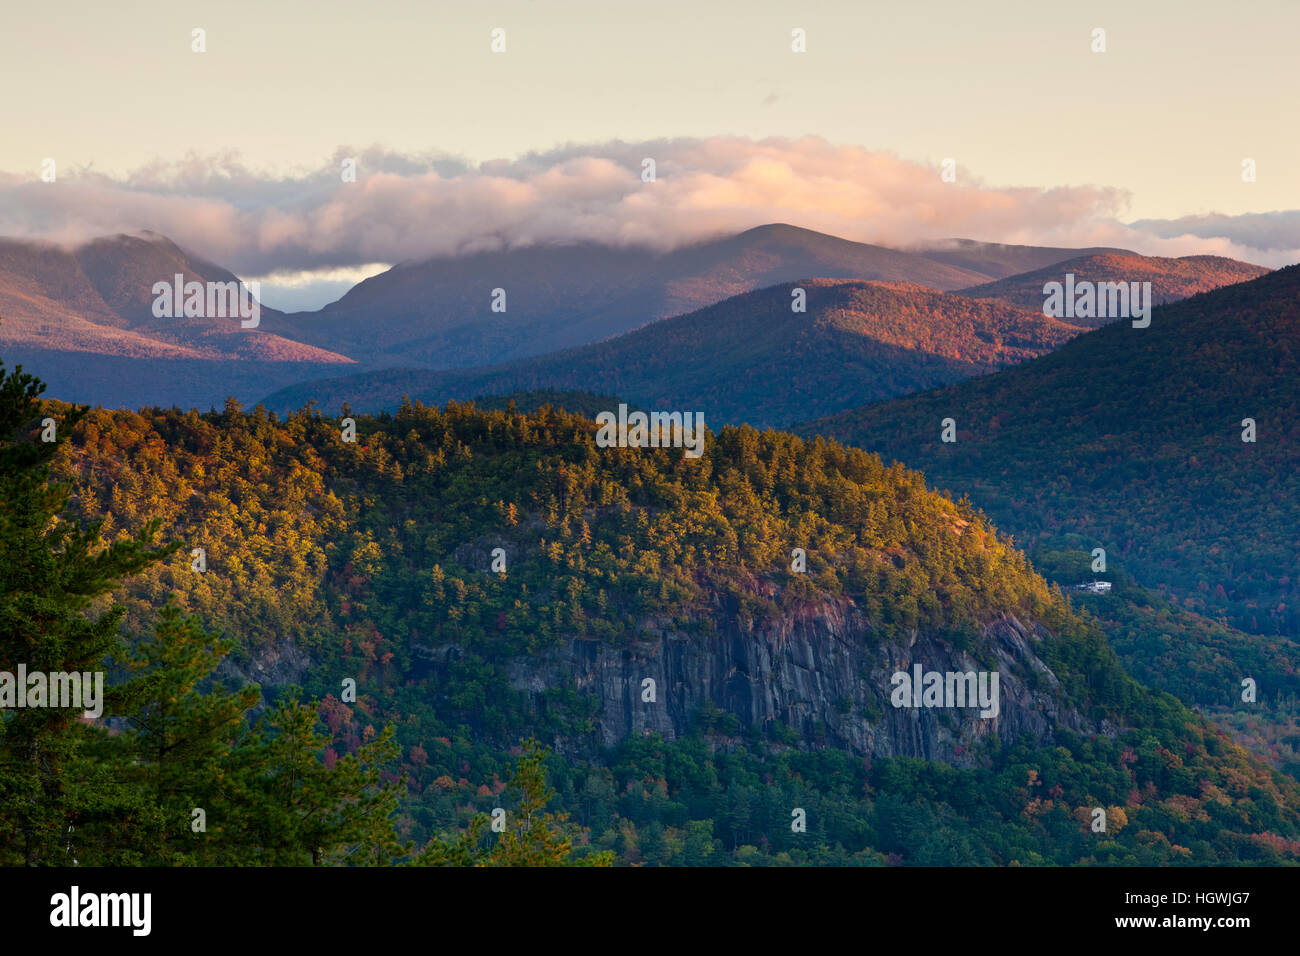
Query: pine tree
(533, 837)
(295, 811)
(55, 808)
(183, 732)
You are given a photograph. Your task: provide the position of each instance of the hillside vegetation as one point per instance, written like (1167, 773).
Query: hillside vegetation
(751, 358)
(328, 559)
(1132, 439)
(1171, 279)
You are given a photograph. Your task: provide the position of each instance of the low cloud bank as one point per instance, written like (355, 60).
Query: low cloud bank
(412, 207)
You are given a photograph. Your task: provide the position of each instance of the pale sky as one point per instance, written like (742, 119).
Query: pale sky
(1011, 90)
(232, 151)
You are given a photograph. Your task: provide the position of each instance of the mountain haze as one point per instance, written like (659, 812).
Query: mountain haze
(438, 312)
(750, 358)
(82, 316)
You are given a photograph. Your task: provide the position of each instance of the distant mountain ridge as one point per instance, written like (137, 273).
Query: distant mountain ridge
(1132, 439)
(97, 297)
(82, 317)
(1171, 279)
(749, 358)
(998, 260)
(438, 313)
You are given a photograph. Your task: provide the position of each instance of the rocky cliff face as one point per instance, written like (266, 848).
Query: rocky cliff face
(271, 665)
(824, 673)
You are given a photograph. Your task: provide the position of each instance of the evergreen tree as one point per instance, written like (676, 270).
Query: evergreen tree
(55, 808)
(295, 810)
(183, 734)
(533, 837)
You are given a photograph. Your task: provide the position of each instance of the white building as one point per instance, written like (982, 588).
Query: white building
(1094, 587)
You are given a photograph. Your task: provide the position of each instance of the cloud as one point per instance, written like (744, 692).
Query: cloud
(411, 207)
(1271, 236)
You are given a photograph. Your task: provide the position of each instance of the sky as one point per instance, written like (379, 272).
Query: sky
(235, 151)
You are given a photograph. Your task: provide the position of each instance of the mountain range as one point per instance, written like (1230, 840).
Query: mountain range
(81, 315)
(485, 574)
(437, 313)
(1176, 448)
(749, 358)
(1171, 279)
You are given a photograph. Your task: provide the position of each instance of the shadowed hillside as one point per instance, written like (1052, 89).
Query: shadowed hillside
(750, 358)
(1171, 279)
(1133, 439)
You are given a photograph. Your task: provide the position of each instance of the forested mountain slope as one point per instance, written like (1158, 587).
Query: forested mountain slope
(751, 358)
(1133, 439)
(1170, 279)
(372, 560)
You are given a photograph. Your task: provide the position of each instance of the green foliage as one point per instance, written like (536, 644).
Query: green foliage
(1166, 647)
(532, 837)
(375, 559)
(50, 572)
(182, 732)
(378, 550)
(73, 793)
(1131, 439)
(685, 803)
(297, 809)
